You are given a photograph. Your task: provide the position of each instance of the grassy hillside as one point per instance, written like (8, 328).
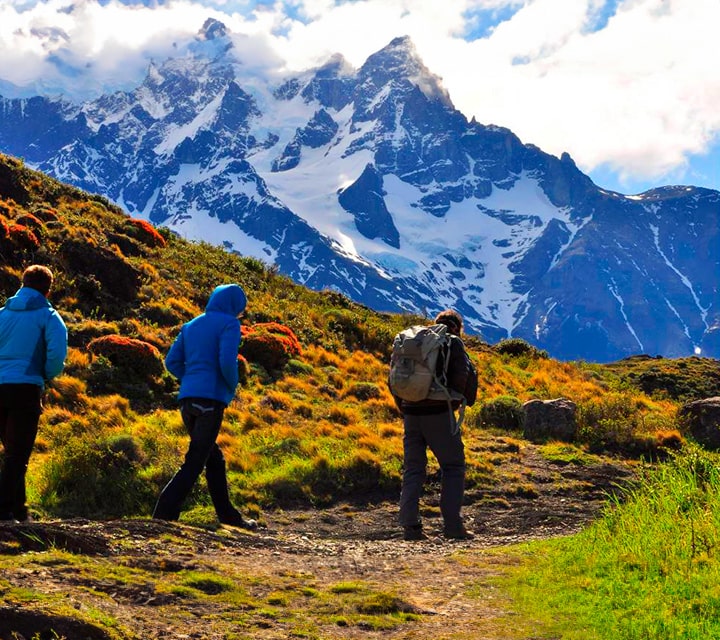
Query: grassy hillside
(314, 425)
(313, 422)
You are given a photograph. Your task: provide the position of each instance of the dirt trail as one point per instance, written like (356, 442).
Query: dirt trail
(444, 582)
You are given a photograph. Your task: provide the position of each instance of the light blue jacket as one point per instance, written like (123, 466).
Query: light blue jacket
(33, 339)
(204, 355)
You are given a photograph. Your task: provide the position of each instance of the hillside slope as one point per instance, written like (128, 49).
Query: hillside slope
(313, 444)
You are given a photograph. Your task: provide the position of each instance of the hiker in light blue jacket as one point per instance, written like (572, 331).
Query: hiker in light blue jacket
(33, 346)
(204, 358)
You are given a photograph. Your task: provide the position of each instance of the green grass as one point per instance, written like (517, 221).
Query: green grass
(646, 570)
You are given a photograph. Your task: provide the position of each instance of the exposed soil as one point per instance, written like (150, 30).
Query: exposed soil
(320, 547)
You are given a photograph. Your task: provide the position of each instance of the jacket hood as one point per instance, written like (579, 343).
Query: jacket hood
(227, 298)
(26, 299)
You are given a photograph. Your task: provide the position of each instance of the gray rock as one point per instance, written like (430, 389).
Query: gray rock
(550, 420)
(702, 420)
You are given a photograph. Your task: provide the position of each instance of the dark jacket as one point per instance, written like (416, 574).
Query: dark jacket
(459, 371)
(204, 355)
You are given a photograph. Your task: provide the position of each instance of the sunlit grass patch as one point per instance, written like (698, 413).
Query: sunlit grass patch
(566, 453)
(646, 569)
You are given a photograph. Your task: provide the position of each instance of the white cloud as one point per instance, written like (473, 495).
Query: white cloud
(638, 95)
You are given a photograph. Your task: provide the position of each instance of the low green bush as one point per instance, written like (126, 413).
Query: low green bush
(503, 412)
(97, 478)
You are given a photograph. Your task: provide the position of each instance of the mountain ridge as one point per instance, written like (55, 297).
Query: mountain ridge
(371, 183)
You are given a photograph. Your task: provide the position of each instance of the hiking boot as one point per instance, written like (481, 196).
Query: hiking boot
(414, 533)
(460, 533)
(163, 515)
(236, 520)
(7, 516)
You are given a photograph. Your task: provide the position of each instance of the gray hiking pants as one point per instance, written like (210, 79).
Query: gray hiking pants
(435, 432)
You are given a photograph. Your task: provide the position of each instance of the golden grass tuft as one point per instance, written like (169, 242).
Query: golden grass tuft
(343, 415)
(387, 430)
(67, 391)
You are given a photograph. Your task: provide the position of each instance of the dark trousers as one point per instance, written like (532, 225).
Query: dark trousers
(202, 419)
(20, 408)
(435, 432)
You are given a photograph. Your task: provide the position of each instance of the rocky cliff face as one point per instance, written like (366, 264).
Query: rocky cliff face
(371, 183)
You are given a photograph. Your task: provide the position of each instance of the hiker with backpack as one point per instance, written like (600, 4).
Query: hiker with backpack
(33, 347)
(204, 358)
(431, 377)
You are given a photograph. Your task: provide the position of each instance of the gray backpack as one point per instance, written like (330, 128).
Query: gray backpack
(419, 364)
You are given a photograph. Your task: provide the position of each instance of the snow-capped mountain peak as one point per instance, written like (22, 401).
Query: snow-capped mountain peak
(368, 181)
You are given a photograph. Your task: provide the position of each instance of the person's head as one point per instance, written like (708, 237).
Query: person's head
(38, 277)
(451, 319)
(227, 298)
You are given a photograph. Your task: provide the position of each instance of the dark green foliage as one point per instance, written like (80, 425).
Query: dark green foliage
(295, 367)
(12, 180)
(503, 412)
(519, 347)
(681, 379)
(117, 279)
(10, 282)
(361, 330)
(364, 390)
(243, 370)
(81, 333)
(89, 478)
(132, 368)
(127, 245)
(163, 314)
(362, 475)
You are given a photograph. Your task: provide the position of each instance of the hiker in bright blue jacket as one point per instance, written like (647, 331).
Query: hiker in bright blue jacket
(204, 358)
(33, 346)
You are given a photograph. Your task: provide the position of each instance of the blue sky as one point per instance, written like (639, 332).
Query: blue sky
(630, 88)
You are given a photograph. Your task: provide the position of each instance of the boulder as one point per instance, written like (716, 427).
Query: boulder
(550, 420)
(701, 418)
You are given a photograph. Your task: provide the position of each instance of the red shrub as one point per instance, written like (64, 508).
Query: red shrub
(144, 232)
(128, 353)
(23, 238)
(269, 344)
(30, 221)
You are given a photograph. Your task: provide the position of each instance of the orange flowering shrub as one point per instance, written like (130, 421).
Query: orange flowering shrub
(128, 353)
(143, 231)
(269, 344)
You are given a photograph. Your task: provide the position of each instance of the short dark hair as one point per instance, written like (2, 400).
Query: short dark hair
(450, 318)
(38, 277)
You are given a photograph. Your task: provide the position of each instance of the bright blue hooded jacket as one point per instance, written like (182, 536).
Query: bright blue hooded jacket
(204, 355)
(33, 339)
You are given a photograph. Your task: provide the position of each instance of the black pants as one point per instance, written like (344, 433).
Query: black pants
(435, 432)
(20, 408)
(202, 419)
